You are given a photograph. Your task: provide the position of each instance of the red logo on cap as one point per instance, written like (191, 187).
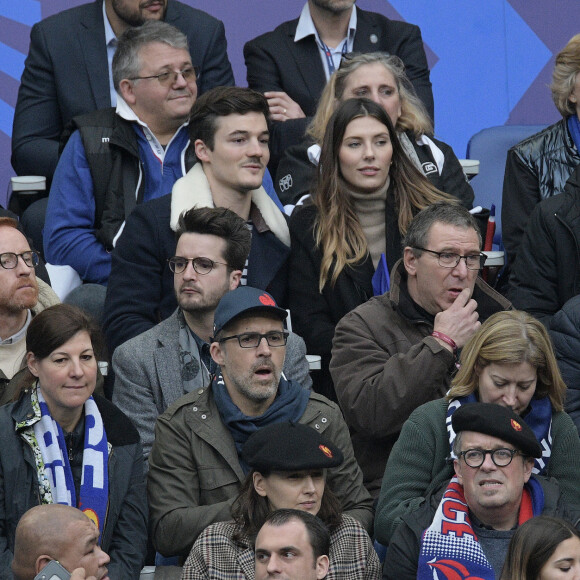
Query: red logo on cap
(516, 425)
(267, 300)
(325, 450)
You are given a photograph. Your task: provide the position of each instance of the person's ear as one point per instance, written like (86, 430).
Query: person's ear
(126, 88)
(201, 150)
(235, 277)
(258, 481)
(41, 563)
(410, 261)
(528, 467)
(322, 565)
(215, 350)
(457, 466)
(32, 363)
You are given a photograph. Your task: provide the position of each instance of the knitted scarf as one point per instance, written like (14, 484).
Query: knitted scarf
(289, 405)
(538, 418)
(449, 546)
(94, 491)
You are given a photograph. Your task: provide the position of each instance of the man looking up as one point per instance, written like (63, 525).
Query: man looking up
(229, 132)
(195, 471)
(464, 530)
(22, 296)
(398, 351)
(58, 532)
(118, 158)
(171, 359)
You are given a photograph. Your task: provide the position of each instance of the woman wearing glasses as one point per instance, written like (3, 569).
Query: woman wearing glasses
(509, 362)
(62, 445)
(366, 194)
(286, 465)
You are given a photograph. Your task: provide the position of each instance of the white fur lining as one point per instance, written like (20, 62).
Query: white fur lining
(192, 190)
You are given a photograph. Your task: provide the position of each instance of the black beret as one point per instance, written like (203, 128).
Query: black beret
(497, 421)
(289, 447)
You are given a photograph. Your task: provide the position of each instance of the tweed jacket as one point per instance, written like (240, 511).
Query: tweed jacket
(195, 473)
(216, 556)
(148, 375)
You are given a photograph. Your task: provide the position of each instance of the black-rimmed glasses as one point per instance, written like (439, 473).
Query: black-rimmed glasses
(168, 78)
(451, 260)
(202, 266)
(500, 457)
(9, 260)
(274, 339)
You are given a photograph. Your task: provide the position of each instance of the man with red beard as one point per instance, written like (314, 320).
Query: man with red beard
(195, 466)
(22, 296)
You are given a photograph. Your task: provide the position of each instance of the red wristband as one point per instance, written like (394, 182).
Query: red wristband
(446, 339)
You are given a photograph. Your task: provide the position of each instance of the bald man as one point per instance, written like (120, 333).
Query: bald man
(62, 533)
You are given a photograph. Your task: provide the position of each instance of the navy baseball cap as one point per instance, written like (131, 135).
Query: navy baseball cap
(244, 301)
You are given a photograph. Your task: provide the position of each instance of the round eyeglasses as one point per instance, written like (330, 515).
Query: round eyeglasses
(202, 266)
(500, 457)
(9, 260)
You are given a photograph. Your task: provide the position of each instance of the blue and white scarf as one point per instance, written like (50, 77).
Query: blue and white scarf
(94, 490)
(538, 419)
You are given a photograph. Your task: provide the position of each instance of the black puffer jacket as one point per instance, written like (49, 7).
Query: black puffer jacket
(546, 272)
(536, 168)
(565, 334)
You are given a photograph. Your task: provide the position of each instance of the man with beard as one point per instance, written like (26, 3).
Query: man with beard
(158, 367)
(21, 297)
(68, 71)
(195, 467)
(291, 64)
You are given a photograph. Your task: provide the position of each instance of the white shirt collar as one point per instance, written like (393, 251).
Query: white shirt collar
(109, 34)
(306, 25)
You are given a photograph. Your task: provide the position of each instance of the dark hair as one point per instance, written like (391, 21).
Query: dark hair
(126, 60)
(450, 214)
(318, 533)
(250, 510)
(532, 546)
(50, 329)
(338, 232)
(221, 102)
(223, 223)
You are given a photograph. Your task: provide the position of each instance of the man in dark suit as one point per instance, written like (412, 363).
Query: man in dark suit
(291, 64)
(67, 72)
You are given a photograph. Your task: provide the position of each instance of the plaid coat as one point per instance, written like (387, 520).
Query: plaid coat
(216, 556)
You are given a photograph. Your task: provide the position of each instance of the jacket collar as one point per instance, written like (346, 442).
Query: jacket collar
(193, 190)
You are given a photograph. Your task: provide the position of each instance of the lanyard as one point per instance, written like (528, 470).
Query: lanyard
(328, 53)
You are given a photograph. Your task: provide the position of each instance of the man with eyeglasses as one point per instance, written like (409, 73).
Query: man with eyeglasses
(464, 529)
(195, 468)
(228, 130)
(68, 69)
(173, 358)
(22, 296)
(118, 158)
(399, 350)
